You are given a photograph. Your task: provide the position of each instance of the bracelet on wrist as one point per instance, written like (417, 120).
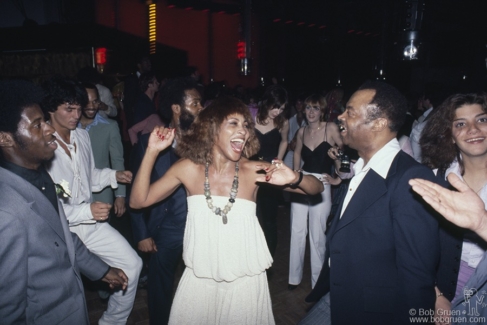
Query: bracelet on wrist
(295, 185)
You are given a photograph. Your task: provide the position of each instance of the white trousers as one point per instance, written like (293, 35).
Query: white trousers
(312, 210)
(110, 246)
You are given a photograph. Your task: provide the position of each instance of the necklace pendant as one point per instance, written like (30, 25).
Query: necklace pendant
(233, 194)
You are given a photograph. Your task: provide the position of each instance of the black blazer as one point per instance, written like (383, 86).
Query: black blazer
(165, 220)
(383, 251)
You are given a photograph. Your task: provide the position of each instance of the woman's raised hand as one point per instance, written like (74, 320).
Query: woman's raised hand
(464, 208)
(276, 173)
(161, 138)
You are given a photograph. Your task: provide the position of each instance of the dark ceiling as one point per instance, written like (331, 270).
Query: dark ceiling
(322, 41)
(369, 34)
(356, 37)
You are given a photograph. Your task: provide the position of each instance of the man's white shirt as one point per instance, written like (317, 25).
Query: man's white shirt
(380, 162)
(80, 172)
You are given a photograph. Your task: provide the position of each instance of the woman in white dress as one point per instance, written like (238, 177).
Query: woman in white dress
(224, 250)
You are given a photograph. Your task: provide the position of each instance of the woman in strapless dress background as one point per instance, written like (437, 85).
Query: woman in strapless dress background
(312, 145)
(224, 248)
(271, 128)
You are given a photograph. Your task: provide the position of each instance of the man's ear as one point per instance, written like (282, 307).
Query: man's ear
(6, 139)
(380, 124)
(176, 109)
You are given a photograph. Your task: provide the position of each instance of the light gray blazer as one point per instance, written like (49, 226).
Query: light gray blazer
(40, 259)
(106, 144)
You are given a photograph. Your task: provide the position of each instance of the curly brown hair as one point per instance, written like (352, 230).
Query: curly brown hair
(274, 97)
(437, 147)
(198, 142)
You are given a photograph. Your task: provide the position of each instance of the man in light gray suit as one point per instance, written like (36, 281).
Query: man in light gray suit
(40, 259)
(106, 144)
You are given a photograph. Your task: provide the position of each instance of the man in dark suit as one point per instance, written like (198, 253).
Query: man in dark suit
(159, 230)
(40, 259)
(382, 246)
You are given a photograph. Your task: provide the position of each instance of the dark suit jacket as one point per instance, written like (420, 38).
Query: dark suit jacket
(40, 259)
(144, 107)
(451, 240)
(164, 221)
(383, 251)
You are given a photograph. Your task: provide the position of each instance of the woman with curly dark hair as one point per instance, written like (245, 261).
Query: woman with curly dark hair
(455, 141)
(224, 248)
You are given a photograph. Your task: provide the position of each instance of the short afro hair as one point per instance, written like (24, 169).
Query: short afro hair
(389, 103)
(15, 96)
(174, 93)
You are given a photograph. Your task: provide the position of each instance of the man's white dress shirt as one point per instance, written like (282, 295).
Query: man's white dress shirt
(80, 172)
(380, 162)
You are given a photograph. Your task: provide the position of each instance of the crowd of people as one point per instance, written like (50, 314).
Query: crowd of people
(200, 172)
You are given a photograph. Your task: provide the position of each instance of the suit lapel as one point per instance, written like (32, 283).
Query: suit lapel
(42, 207)
(38, 203)
(372, 187)
(369, 191)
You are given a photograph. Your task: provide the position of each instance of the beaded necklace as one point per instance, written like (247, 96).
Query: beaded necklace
(233, 194)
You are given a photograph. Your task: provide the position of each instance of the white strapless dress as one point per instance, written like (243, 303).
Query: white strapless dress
(225, 280)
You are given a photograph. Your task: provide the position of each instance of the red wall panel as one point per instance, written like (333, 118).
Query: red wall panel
(187, 30)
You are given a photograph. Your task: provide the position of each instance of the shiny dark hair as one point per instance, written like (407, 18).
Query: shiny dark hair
(198, 142)
(437, 147)
(61, 90)
(388, 102)
(15, 96)
(274, 97)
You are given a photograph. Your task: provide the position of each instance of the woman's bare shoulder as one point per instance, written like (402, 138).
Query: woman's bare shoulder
(332, 126)
(184, 167)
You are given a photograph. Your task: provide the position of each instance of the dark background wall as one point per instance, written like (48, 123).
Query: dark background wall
(303, 43)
